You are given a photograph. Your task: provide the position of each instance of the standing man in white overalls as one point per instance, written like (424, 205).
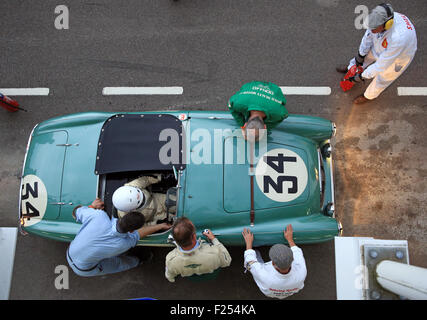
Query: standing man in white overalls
(386, 50)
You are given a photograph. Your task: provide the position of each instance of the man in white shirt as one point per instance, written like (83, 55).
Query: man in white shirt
(385, 52)
(284, 275)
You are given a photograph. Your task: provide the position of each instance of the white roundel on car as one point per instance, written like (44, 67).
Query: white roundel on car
(33, 199)
(281, 175)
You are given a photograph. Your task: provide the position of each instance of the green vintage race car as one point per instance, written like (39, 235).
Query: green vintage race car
(206, 168)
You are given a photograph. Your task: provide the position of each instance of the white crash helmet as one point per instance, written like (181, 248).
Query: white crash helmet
(127, 198)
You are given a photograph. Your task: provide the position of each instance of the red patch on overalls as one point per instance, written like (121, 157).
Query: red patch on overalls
(384, 44)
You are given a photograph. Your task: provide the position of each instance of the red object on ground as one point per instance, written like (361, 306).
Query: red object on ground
(9, 104)
(347, 84)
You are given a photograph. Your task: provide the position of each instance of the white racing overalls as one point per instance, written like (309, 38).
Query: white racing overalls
(388, 54)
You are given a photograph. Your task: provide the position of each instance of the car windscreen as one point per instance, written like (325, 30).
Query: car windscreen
(138, 142)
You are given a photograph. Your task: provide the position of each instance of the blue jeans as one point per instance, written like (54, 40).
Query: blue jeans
(107, 266)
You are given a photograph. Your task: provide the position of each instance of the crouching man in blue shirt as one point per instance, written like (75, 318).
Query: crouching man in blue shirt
(100, 243)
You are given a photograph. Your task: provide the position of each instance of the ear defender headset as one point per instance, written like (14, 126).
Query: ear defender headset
(389, 23)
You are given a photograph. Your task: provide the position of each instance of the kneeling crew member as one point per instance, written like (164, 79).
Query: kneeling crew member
(284, 275)
(192, 256)
(100, 243)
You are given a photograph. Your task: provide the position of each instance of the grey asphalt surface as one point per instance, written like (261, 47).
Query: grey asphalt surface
(211, 48)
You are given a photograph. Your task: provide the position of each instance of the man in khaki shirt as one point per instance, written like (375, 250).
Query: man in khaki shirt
(194, 256)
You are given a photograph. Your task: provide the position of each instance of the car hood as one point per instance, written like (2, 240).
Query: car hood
(286, 172)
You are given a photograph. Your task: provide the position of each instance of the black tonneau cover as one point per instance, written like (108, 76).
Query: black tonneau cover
(131, 142)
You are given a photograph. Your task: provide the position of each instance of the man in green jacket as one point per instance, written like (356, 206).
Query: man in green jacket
(258, 105)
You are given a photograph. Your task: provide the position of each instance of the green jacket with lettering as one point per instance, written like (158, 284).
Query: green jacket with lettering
(262, 96)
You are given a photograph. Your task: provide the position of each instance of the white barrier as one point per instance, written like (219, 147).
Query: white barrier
(7, 253)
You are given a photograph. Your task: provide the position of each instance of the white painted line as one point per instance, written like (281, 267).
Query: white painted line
(25, 91)
(317, 91)
(7, 253)
(412, 91)
(108, 91)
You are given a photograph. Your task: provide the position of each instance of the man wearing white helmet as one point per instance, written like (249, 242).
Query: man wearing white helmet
(134, 196)
(386, 50)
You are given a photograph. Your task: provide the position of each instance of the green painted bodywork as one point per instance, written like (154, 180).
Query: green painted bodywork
(214, 195)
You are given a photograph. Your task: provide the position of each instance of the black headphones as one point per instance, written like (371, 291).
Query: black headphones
(388, 24)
